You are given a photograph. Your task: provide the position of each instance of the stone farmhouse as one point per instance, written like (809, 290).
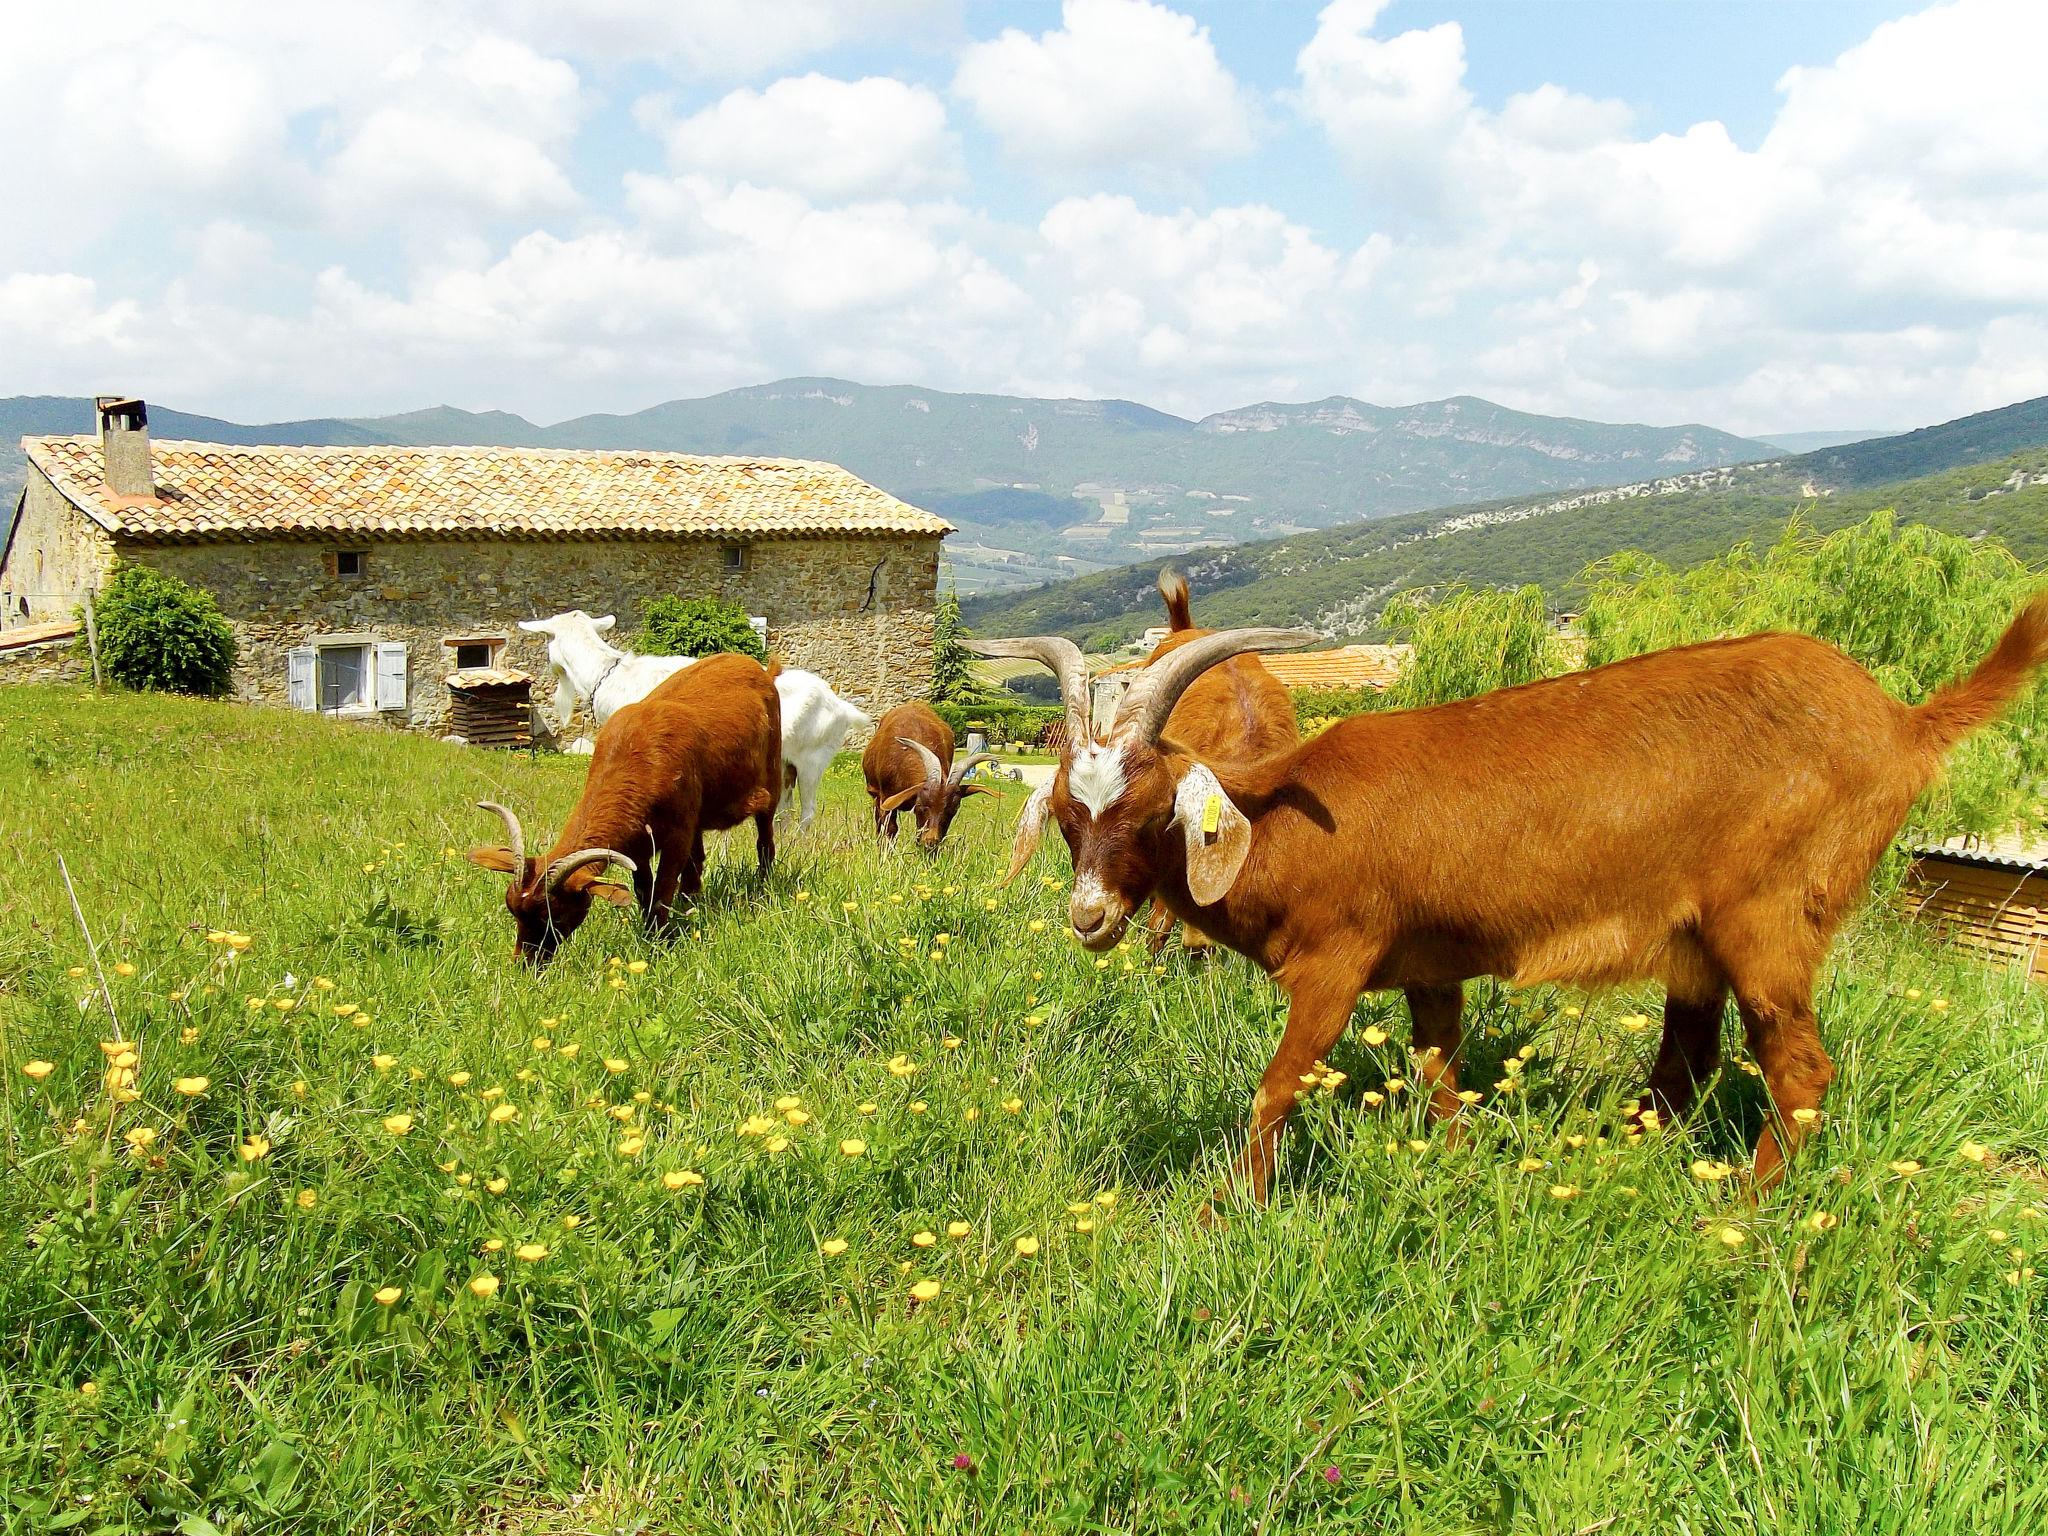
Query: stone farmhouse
(359, 578)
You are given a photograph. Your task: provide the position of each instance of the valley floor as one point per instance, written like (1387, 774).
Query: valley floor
(397, 1237)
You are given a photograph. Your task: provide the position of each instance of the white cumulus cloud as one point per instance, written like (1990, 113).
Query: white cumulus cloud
(1120, 85)
(831, 139)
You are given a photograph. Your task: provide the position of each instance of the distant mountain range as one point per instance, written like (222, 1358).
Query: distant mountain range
(1044, 488)
(1983, 474)
(1807, 442)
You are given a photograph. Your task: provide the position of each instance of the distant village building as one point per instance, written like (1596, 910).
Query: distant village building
(358, 579)
(1344, 667)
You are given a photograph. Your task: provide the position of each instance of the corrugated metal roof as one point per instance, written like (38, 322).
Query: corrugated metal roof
(2008, 850)
(218, 491)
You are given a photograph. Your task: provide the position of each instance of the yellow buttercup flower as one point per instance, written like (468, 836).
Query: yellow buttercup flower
(1013, 1105)
(853, 1146)
(1733, 1237)
(497, 1186)
(787, 1102)
(500, 1113)
(483, 1286)
(1904, 1167)
(530, 1253)
(614, 1065)
(1026, 1246)
(37, 1070)
(192, 1087)
(398, 1125)
(388, 1295)
(631, 1146)
(1822, 1221)
(926, 1290)
(917, 1106)
(1973, 1152)
(777, 1143)
(798, 1117)
(572, 1221)
(253, 1148)
(124, 968)
(832, 1247)
(1563, 1191)
(957, 1229)
(141, 1137)
(1531, 1165)
(382, 1062)
(637, 967)
(681, 1178)
(901, 1066)
(306, 1199)
(458, 1079)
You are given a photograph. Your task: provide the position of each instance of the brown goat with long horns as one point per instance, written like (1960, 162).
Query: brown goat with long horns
(701, 753)
(909, 765)
(1704, 816)
(1237, 709)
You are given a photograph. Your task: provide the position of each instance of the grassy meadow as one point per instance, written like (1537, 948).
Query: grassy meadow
(390, 1235)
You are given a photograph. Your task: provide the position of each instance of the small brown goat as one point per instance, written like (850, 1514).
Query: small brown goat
(909, 762)
(1704, 816)
(699, 754)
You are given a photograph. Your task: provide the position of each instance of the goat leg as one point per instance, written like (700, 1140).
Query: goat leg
(1320, 1008)
(1437, 1038)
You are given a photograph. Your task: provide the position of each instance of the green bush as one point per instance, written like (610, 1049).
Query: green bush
(999, 722)
(698, 626)
(156, 632)
(1469, 642)
(1323, 705)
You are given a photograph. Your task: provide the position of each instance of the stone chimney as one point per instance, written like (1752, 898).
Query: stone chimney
(124, 446)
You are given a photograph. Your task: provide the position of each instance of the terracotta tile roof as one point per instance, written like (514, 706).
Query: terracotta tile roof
(1348, 666)
(216, 491)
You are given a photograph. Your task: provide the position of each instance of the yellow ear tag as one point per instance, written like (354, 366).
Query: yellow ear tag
(1212, 815)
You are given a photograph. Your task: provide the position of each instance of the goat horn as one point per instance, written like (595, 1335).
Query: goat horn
(1158, 688)
(1059, 656)
(569, 863)
(933, 773)
(965, 766)
(514, 832)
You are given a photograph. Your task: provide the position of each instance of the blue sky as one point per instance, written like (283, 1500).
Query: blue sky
(1765, 216)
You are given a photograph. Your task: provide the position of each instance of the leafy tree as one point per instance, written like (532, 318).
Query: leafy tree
(156, 632)
(1469, 642)
(950, 676)
(699, 626)
(1915, 606)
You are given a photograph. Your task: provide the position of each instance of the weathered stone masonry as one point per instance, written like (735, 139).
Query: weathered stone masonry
(814, 593)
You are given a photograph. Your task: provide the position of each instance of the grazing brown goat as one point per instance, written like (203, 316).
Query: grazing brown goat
(1704, 816)
(1237, 709)
(909, 762)
(699, 754)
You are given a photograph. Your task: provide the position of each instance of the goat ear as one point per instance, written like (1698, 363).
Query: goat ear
(605, 623)
(499, 859)
(1030, 828)
(610, 890)
(976, 789)
(901, 798)
(1218, 835)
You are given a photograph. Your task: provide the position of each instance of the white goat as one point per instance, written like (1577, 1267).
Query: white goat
(591, 670)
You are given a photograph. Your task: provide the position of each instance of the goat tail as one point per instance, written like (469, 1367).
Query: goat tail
(1173, 591)
(1973, 702)
(774, 667)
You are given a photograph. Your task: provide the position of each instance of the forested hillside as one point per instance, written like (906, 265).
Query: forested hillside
(1339, 580)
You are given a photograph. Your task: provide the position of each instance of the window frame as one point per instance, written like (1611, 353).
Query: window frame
(361, 557)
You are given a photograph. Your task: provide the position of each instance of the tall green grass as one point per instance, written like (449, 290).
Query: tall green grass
(1412, 1337)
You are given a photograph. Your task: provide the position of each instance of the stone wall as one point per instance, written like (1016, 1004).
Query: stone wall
(54, 661)
(813, 592)
(54, 557)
